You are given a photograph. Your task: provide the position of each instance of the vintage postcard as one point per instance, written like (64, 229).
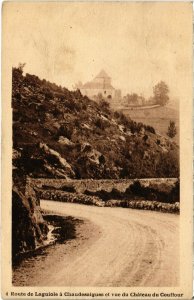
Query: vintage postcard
(97, 150)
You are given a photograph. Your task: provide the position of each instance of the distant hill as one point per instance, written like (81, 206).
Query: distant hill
(158, 117)
(61, 134)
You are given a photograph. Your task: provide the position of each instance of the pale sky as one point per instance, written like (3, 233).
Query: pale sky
(137, 44)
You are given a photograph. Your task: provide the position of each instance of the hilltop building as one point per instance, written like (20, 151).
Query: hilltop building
(100, 88)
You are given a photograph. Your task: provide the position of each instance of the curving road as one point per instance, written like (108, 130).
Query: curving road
(117, 247)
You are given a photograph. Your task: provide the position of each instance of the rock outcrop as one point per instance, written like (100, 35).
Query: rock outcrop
(29, 230)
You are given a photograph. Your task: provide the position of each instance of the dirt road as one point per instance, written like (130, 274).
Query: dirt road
(114, 247)
(132, 248)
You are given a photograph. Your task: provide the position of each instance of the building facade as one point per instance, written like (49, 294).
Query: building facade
(99, 88)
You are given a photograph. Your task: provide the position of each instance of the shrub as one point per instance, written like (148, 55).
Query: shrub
(48, 94)
(73, 105)
(66, 130)
(100, 124)
(175, 192)
(69, 189)
(105, 195)
(104, 105)
(172, 129)
(150, 129)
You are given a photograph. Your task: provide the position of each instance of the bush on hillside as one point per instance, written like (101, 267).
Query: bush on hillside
(104, 106)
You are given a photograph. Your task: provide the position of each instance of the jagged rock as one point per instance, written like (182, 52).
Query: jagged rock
(86, 147)
(16, 154)
(56, 172)
(121, 128)
(29, 230)
(104, 118)
(90, 154)
(146, 155)
(86, 126)
(65, 141)
(122, 138)
(33, 133)
(94, 156)
(62, 161)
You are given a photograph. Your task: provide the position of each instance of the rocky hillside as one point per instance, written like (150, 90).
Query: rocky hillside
(58, 133)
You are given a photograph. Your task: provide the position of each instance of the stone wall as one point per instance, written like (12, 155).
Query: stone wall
(95, 185)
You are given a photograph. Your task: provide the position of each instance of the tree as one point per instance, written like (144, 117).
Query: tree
(17, 73)
(78, 85)
(161, 92)
(21, 66)
(172, 129)
(99, 97)
(132, 99)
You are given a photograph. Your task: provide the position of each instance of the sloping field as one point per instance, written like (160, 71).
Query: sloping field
(158, 117)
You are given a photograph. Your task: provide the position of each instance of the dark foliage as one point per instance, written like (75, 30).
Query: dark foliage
(138, 191)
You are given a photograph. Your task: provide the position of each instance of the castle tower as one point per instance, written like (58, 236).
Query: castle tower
(100, 86)
(103, 79)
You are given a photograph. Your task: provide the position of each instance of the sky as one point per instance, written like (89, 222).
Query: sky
(137, 44)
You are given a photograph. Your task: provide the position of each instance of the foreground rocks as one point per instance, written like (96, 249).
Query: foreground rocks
(29, 230)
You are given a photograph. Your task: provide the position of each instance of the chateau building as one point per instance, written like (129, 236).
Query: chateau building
(100, 88)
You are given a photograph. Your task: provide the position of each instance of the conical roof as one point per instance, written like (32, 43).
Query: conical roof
(102, 74)
(103, 83)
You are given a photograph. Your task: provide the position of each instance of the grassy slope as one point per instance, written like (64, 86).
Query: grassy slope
(158, 117)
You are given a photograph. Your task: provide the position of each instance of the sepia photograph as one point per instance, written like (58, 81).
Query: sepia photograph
(97, 127)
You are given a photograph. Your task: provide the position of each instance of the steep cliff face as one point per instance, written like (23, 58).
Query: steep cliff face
(29, 230)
